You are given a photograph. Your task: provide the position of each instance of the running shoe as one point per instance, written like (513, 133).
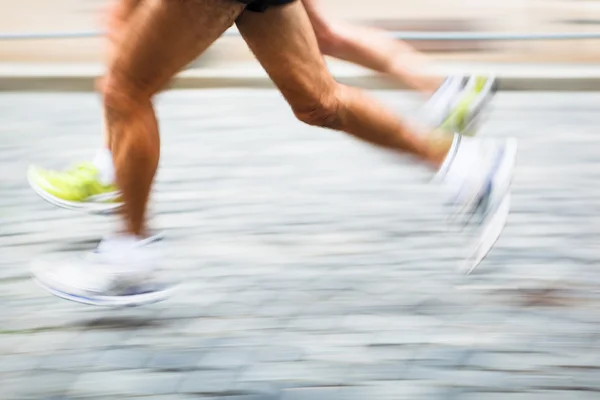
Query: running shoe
(77, 188)
(121, 272)
(461, 104)
(477, 176)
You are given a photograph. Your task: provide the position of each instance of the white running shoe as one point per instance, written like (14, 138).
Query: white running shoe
(460, 104)
(121, 272)
(477, 175)
(474, 105)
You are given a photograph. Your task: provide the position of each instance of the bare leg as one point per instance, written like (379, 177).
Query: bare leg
(371, 49)
(114, 19)
(160, 39)
(284, 42)
(165, 35)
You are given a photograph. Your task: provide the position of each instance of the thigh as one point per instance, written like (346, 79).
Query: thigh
(163, 36)
(315, 13)
(114, 18)
(117, 12)
(284, 42)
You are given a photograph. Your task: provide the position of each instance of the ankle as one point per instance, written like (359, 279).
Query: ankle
(440, 145)
(462, 162)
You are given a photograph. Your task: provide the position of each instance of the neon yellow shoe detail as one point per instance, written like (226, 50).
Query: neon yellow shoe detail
(75, 188)
(458, 119)
(466, 116)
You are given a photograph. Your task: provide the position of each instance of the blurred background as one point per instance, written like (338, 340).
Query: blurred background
(315, 268)
(522, 16)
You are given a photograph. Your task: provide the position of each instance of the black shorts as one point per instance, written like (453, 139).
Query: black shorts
(262, 5)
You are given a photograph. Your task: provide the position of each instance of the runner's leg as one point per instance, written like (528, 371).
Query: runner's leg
(371, 49)
(457, 103)
(160, 39)
(114, 19)
(476, 173)
(89, 186)
(284, 42)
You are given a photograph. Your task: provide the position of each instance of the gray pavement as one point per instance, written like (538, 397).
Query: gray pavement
(315, 267)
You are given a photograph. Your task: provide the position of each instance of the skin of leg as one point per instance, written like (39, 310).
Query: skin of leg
(159, 40)
(284, 42)
(370, 48)
(113, 19)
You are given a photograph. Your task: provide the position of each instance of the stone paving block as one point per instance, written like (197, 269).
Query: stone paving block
(208, 326)
(124, 358)
(18, 362)
(297, 373)
(442, 357)
(538, 381)
(41, 384)
(208, 382)
(460, 377)
(172, 396)
(242, 325)
(367, 323)
(226, 358)
(516, 362)
(266, 390)
(392, 353)
(583, 379)
(319, 393)
(400, 390)
(350, 355)
(124, 383)
(44, 342)
(386, 371)
(534, 395)
(232, 309)
(181, 360)
(12, 383)
(314, 323)
(276, 353)
(251, 397)
(394, 338)
(244, 339)
(344, 337)
(100, 339)
(69, 360)
(185, 312)
(161, 340)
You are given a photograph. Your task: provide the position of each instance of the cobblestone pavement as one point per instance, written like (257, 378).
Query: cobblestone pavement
(316, 267)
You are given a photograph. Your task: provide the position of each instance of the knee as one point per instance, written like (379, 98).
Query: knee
(120, 94)
(321, 110)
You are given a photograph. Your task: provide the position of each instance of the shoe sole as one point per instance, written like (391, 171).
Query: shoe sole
(111, 301)
(497, 211)
(489, 236)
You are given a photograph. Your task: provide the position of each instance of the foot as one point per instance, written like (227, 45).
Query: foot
(77, 188)
(121, 272)
(477, 175)
(461, 104)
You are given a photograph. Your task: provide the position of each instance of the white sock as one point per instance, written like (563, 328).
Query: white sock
(129, 253)
(106, 169)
